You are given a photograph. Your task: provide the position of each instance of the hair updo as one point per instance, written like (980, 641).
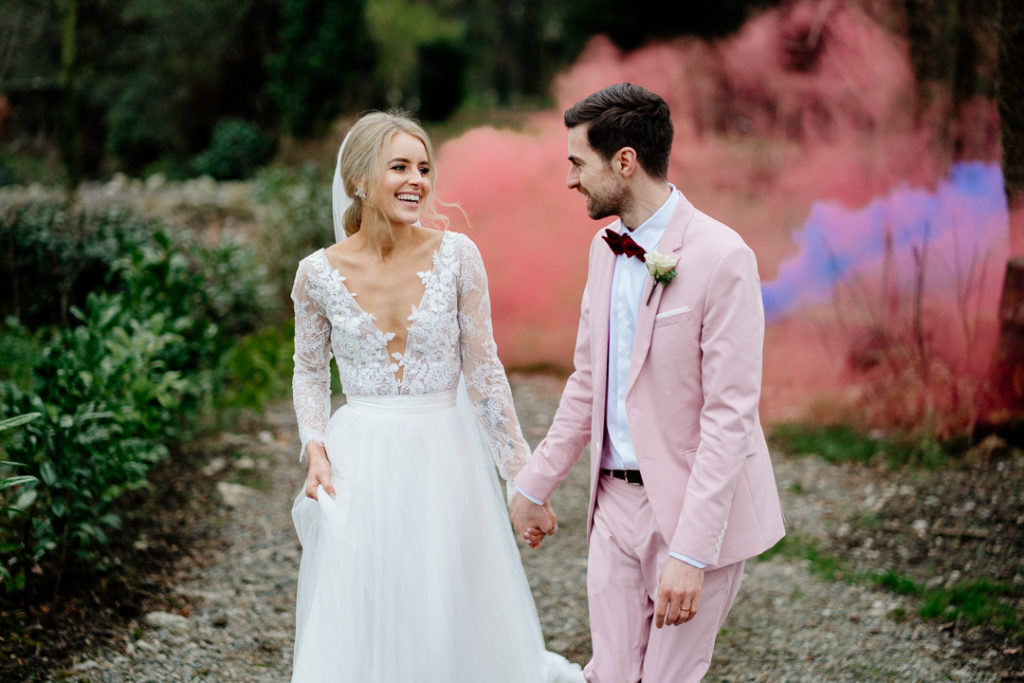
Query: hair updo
(363, 160)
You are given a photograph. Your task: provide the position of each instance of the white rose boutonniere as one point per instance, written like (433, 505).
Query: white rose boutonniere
(662, 268)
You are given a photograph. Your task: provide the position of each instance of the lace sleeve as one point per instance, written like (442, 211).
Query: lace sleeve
(486, 382)
(311, 381)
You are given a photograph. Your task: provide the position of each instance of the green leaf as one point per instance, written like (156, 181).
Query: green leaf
(110, 520)
(48, 474)
(16, 481)
(108, 315)
(18, 420)
(96, 415)
(91, 530)
(25, 500)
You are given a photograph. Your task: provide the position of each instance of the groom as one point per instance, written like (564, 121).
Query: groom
(666, 387)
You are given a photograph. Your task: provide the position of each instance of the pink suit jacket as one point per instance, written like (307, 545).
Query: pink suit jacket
(691, 397)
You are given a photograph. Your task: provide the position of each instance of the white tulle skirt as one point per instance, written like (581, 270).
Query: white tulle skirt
(411, 573)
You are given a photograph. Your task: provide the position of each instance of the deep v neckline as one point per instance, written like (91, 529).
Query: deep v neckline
(425, 276)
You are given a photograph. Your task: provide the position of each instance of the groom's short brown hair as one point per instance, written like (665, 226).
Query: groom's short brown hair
(627, 115)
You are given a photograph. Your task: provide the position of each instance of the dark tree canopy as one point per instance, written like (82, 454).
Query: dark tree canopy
(146, 82)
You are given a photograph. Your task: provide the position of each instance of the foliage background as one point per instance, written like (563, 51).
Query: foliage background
(141, 85)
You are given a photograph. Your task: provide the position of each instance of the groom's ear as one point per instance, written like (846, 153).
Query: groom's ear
(624, 162)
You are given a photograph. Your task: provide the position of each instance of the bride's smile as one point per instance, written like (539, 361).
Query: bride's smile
(406, 180)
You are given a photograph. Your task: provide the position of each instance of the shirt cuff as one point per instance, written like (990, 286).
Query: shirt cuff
(527, 496)
(688, 560)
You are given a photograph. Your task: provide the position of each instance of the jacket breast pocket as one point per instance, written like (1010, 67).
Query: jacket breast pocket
(673, 316)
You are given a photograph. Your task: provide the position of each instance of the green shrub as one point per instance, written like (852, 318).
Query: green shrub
(115, 389)
(258, 367)
(7, 175)
(34, 163)
(18, 351)
(8, 482)
(237, 293)
(143, 119)
(237, 149)
(54, 256)
(295, 220)
(109, 406)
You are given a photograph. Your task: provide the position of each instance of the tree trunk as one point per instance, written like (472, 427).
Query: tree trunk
(1009, 365)
(1009, 370)
(69, 147)
(1011, 95)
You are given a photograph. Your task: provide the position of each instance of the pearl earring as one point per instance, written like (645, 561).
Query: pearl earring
(361, 193)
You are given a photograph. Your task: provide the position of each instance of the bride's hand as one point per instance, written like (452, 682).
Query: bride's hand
(319, 473)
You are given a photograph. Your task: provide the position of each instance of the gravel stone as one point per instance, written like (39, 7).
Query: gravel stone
(167, 621)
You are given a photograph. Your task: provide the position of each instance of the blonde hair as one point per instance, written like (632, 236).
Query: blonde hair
(362, 165)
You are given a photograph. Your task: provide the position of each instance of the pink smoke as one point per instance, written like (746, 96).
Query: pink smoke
(806, 112)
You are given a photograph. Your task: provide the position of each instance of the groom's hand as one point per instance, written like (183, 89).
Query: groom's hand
(679, 585)
(532, 521)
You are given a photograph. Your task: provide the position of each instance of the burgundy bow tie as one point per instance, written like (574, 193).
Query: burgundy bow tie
(623, 244)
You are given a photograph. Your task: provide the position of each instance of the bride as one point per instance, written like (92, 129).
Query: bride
(409, 569)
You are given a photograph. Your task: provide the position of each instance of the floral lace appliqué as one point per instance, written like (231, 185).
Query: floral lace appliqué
(450, 333)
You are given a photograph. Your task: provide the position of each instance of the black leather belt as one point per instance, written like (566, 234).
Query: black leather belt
(628, 476)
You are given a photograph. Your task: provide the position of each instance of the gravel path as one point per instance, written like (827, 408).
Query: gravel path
(231, 618)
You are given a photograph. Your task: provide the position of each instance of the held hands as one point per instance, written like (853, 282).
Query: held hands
(679, 586)
(319, 473)
(533, 521)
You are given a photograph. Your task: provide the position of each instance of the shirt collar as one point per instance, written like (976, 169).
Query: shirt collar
(650, 232)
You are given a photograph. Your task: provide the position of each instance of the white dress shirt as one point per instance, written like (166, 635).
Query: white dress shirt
(628, 282)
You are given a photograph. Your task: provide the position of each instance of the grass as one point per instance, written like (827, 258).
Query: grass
(897, 583)
(976, 603)
(839, 443)
(834, 443)
(820, 564)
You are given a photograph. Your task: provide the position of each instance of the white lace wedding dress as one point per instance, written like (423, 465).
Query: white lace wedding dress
(411, 574)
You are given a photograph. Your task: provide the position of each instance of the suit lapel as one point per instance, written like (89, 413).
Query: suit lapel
(600, 305)
(671, 243)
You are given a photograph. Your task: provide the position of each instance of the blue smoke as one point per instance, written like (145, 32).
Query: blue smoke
(965, 215)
